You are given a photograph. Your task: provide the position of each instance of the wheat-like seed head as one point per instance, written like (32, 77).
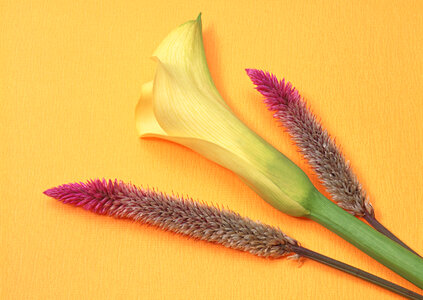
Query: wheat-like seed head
(314, 142)
(177, 214)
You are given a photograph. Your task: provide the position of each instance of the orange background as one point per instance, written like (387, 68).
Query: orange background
(70, 77)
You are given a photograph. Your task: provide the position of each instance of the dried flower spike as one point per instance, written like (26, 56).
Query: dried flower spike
(314, 142)
(197, 220)
(184, 216)
(317, 147)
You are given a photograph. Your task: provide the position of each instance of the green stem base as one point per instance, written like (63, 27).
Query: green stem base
(367, 239)
(371, 219)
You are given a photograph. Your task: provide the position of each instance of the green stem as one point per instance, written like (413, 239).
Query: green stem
(304, 252)
(371, 219)
(367, 239)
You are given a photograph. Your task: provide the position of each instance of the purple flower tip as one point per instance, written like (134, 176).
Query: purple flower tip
(92, 195)
(49, 192)
(277, 93)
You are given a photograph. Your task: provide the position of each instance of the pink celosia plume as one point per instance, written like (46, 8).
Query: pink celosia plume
(184, 216)
(314, 142)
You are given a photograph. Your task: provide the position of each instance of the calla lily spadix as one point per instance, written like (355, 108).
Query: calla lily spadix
(182, 105)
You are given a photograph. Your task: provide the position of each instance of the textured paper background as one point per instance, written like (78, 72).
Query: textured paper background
(70, 77)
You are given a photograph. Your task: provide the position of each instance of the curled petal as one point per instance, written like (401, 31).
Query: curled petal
(183, 105)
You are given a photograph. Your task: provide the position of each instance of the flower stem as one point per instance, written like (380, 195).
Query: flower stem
(367, 239)
(304, 252)
(371, 219)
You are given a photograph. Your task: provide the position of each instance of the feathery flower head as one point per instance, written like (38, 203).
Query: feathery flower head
(176, 214)
(314, 142)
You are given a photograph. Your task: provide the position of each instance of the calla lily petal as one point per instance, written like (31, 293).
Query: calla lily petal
(146, 122)
(183, 105)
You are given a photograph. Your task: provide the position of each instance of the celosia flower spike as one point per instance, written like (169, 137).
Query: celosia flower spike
(317, 147)
(197, 220)
(314, 142)
(184, 216)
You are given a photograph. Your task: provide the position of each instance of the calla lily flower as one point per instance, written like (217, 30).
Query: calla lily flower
(183, 105)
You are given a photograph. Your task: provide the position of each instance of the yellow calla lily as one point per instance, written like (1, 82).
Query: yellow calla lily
(183, 105)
